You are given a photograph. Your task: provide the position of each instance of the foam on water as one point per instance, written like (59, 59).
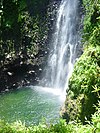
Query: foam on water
(52, 91)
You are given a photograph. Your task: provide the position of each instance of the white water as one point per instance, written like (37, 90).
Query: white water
(63, 46)
(51, 91)
(30, 105)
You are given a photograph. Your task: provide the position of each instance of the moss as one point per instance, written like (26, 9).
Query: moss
(86, 73)
(71, 109)
(79, 104)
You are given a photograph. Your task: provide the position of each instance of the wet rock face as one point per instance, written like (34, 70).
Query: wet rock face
(25, 64)
(19, 75)
(71, 109)
(79, 109)
(22, 71)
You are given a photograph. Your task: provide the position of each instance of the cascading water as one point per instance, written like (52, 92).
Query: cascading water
(31, 104)
(63, 46)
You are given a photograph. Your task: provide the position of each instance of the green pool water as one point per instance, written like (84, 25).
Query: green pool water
(30, 105)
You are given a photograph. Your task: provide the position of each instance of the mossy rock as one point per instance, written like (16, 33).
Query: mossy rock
(72, 108)
(79, 109)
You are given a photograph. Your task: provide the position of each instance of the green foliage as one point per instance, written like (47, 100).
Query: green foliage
(23, 28)
(86, 80)
(18, 127)
(96, 118)
(95, 36)
(91, 22)
(86, 72)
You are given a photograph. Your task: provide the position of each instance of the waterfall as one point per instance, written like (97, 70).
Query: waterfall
(64, 45)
